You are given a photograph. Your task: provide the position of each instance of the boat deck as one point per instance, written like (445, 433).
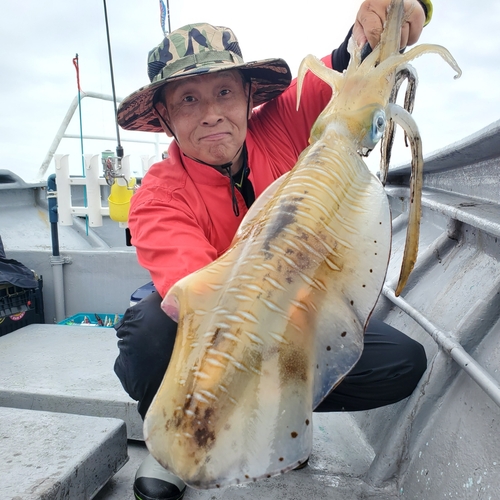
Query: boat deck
(334, 470)
(65, 373)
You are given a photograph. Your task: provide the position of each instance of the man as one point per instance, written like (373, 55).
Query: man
(236, 129)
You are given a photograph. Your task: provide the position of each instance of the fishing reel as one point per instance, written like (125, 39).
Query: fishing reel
(121, 187)
(112, 168)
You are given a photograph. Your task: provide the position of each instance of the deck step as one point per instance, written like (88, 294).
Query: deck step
(51, 456)
(65, 369)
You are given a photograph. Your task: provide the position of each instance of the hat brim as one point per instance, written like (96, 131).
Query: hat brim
(271, 76)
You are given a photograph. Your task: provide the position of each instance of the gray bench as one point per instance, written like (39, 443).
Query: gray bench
(53, 456)
(65, 369)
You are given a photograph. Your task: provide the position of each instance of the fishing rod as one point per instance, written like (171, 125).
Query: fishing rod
(112, 166)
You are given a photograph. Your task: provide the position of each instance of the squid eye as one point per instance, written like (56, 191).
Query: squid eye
(378, 125)
(374, 133)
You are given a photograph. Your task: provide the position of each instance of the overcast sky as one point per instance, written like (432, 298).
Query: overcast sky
(40, 39)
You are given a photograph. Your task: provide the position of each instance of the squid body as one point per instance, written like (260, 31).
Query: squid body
(270, 328)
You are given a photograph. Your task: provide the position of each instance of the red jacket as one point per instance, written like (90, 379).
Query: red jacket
(181, 218)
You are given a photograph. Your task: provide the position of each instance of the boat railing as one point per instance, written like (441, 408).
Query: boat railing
(449, 345)
(92, 178)
(61, 133)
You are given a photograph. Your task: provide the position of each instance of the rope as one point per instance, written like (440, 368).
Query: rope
(77, 67)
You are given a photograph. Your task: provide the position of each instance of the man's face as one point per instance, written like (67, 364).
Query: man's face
(208, 115)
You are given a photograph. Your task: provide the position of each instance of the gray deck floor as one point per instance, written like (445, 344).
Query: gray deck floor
(340, 457)
(69, 369)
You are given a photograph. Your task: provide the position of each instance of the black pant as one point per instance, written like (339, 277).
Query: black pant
(389, 368)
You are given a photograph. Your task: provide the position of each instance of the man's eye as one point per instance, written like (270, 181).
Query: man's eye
(225, 92)
(188, 98)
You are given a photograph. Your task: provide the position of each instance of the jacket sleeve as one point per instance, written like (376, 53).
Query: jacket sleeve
(169, 241)
(428, 8)
(340, 56)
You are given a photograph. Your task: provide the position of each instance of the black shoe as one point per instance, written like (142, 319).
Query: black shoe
(153, 482)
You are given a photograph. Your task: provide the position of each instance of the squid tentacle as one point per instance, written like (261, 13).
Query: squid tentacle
(391, 64)
(404, 119)
(313, 64)
(408, 73)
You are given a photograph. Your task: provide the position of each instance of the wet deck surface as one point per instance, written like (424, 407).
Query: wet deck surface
(69, 370)
(340, 457)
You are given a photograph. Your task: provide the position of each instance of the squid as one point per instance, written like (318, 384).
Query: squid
(270, 328)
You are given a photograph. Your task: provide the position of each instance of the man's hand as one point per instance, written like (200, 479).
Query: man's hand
(371, 17)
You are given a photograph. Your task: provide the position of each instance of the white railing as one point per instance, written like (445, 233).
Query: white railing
(61, 133)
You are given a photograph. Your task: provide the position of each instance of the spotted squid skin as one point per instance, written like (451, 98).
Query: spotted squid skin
(273, 324)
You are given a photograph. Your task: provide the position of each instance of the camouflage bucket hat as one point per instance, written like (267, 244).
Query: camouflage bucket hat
(193, 50)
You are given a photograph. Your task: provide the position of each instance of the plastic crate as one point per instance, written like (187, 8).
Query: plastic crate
(20, 307)
(90, 319)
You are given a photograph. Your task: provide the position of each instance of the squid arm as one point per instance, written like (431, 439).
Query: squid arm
(406, 121)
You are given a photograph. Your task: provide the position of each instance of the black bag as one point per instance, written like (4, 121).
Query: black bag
(14, 273)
